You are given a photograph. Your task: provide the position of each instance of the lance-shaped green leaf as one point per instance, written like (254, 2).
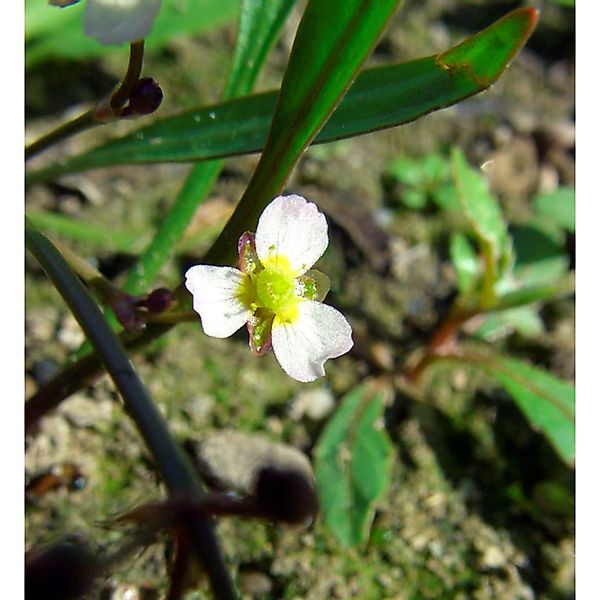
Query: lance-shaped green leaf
(539, 258)
(485, 218)
(524, 320)
(546, 401)
(352, 465)
(380, 98)
(565, 286)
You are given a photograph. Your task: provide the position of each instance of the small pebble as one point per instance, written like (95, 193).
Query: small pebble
(255, 583)
(315, 403)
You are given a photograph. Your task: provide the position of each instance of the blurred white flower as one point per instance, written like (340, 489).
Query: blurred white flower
(275, 293)
(119, 21)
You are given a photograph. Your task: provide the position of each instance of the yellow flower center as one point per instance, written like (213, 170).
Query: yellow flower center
(275, 288)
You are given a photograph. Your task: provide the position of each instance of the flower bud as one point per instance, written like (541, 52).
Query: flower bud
(286, 495)
(123, 305)
(159, 300)
(145, 98)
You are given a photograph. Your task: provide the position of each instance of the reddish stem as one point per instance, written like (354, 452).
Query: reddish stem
(441, 341)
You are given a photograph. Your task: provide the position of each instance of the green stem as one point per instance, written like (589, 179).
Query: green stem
(488, 294)
(170, 459)
(77, 125)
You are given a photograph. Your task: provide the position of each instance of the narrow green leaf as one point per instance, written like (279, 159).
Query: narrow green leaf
(352, 465)
(259, 24)
(332, 41)
(557, 207)
(480, 57)
(379, 98)
(466, 263)
(546, 401)
(53, 32)
(487, 221)
(480, 207)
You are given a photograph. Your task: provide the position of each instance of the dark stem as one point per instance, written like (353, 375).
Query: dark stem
(134, 70)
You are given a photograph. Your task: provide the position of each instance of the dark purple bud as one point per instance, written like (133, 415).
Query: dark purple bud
(145, 98)
(123, 305)
(286, 495)
(159, 300)
(61, 571)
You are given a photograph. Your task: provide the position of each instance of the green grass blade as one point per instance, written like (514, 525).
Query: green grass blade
(380, 98)
(259, 24)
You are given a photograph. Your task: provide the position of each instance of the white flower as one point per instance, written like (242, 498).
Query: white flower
(119, 21)
(275, 293)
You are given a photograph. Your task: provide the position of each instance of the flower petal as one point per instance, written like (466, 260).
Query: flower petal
(320, 332)
(216, 293)
(292, 228)
(119, 21)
